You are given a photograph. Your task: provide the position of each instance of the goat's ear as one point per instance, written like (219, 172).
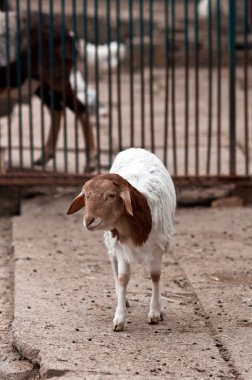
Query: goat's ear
(77, 204)
(125, 195)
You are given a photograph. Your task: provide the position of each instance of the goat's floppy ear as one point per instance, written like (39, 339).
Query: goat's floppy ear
(77, 204)
(125, 195)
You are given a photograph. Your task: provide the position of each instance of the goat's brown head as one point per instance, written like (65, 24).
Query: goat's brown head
(105, 199)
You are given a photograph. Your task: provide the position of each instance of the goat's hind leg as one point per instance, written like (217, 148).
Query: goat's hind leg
(156, 312)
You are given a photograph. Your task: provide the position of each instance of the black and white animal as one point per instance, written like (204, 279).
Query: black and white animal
(134, 204)
(59, 88)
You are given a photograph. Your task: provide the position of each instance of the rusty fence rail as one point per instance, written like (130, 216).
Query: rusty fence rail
(81, 80)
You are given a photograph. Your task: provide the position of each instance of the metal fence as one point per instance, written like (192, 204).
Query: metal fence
(81, 80)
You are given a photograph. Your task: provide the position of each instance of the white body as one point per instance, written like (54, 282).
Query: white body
(79, 86)
(147, 174)
(103, 51)
(113, 50)
(203, 8)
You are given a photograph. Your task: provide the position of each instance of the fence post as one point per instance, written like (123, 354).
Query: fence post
(232, 92)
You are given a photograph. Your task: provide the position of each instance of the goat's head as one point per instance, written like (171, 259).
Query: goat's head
(105, 199)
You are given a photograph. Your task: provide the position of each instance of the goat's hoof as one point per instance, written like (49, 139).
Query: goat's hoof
(39, 162)
(155, 317)
(91, 165)
(90, 168)
(118, 327)
(43, 160)
(118, 323)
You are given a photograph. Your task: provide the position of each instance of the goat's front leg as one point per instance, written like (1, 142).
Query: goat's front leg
(156, 313)
(114, 263)
(88, 133)
(123, 277)
(50, 147)
(115, 271)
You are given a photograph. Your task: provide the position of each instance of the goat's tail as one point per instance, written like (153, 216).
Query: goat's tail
(113, 49)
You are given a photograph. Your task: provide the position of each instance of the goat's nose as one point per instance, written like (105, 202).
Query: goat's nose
(88, 221)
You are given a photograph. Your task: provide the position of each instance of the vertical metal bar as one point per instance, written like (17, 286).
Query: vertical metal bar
(210, 100)
(186, 85)
(232, 92)
(29, 67)
(118, 74)
(41, 80)
(76, 143)
(85, 22)
(173, 90)
(19, 81)
(63, 71)
(219, 52)
(246, 115)
(141, 31)
(196, 57)
(131, 73)
(110, 126)
(166, 10)
(51, 74)
(152, 131)
(8, 83)
(97, 87)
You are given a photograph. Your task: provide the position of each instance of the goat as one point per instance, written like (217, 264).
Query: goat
(54, 90)
(134, 204)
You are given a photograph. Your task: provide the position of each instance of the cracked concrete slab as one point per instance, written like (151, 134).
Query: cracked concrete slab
(12, 365)
(64, 300)
(219, 267)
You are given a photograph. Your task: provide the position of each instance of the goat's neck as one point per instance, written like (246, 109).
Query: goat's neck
(137, 227)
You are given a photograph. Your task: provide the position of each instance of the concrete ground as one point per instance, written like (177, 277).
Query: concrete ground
(57, 286)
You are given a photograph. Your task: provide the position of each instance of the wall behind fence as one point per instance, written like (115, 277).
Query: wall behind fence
(171, 76)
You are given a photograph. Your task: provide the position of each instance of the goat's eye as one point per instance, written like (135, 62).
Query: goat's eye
(112, 196)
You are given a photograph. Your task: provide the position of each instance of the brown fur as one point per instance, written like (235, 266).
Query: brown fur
(140, 223)
(123, 279)
(136, 227)
(155, 276)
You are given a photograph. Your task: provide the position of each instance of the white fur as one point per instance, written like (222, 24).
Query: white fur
(79, 86)
(203, 8)
(147, 174)
(103, 51)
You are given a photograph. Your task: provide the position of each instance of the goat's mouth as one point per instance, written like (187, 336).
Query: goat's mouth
(93, 228)
(92, 224)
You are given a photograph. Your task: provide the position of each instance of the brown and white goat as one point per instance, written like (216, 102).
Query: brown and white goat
(134, 205)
